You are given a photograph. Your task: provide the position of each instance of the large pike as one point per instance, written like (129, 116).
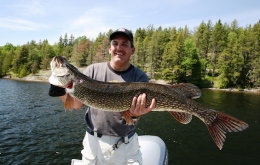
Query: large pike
(111, 96)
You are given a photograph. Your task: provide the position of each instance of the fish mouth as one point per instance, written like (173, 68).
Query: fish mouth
(70, 85)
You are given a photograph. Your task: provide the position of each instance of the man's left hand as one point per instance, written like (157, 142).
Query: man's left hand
(138, 106)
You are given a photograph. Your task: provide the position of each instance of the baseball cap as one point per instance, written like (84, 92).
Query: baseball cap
(124, 31)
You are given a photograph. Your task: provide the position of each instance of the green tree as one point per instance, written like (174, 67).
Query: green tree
(1, 63)
(71, 40)
(191, 63)
(203, 42)
(81, 52)
(229, 63)
(173, 70)
(255, 57)
(102, 54)
(65, 40)
(92, 52)
(218, 42)
(60, 46)
(20, 60)
(47, 56)
(7, 61)
(31, 46)
(139, 58)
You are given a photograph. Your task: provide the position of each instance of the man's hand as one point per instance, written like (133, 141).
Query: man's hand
(138, 106)
(56, 91)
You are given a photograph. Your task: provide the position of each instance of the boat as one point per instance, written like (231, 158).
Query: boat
(153, 148)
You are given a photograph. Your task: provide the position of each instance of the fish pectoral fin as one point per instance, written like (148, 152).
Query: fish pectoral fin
(223, 124)
(188, 90)
(69, 102)
(127, 117)
(182, 117)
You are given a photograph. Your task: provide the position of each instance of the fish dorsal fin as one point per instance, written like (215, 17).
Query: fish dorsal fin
(190, 91)
(182, 117)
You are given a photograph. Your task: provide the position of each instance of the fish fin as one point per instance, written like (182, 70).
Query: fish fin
(223, 124)
(69, 102)
(127, 117)
(182, 117)
(188, 90)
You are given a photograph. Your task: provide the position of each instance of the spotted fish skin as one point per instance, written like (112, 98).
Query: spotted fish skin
(117, 97)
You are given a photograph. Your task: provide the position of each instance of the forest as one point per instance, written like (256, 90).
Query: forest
(219, 55)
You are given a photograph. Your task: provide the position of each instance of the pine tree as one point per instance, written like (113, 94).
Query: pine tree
(102, 51)
(168, 59)
(20, 60)
(60, 46)
(7, 61)
(71, 40)
(191, 63)
(229, 63)
(47, 56)
(255, 64)
(31, 46)
(65, 40)
(218, 42)
(173, 70)
(92, 52)
(1, 63)
(139, 58)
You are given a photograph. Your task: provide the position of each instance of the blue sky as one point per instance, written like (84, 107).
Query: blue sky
(25, 20)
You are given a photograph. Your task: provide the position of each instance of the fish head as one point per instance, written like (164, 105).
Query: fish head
(58, 66)
(61, 72)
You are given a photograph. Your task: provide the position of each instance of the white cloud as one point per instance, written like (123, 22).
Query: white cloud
(30, 8)
(20, 24)
(92, 22)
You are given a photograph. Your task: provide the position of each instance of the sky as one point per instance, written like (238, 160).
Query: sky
(26, 20)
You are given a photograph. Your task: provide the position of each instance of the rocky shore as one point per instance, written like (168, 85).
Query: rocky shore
(42, 76)
(255, 90)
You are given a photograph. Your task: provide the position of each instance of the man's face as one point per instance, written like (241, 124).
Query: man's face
(121, 51)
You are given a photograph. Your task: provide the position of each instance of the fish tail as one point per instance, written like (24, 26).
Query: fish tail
(223, 124)
(69, 102)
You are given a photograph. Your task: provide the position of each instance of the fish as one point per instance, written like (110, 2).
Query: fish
(177, 99)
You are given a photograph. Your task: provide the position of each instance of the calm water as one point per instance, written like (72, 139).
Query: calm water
(34, 129)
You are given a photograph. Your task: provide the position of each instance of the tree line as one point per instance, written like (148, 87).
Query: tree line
(212, 55)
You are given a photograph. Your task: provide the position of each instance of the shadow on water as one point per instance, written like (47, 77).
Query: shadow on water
(36, 130)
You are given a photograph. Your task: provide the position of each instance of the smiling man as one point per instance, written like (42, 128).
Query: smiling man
(121, 48)
(109, 139)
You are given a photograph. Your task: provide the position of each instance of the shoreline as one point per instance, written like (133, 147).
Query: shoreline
(236, 90)
(43, 77)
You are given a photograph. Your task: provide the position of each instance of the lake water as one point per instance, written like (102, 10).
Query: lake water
(35, 129)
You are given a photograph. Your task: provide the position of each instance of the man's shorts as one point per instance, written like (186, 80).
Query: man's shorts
(97, 151)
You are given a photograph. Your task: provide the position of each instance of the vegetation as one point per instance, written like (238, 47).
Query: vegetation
(218, 55)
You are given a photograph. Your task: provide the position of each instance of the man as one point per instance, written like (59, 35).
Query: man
(109, 140)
